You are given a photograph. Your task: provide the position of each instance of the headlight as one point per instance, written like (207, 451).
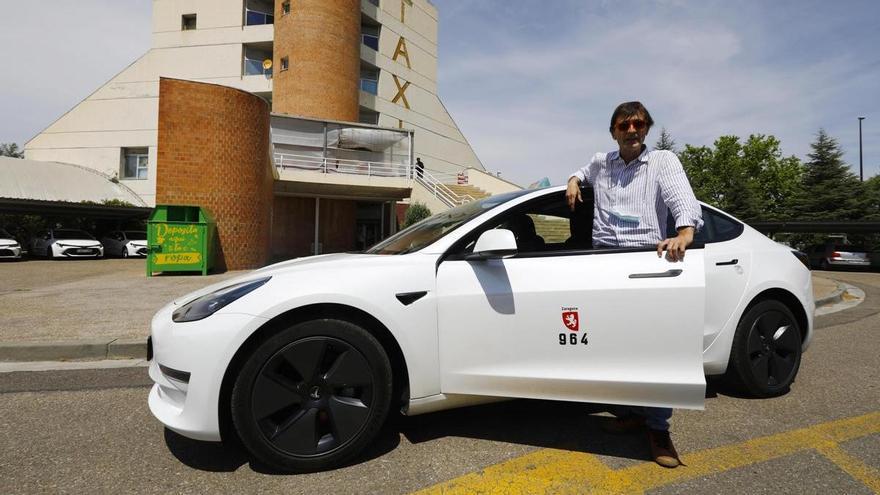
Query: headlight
(209, 304)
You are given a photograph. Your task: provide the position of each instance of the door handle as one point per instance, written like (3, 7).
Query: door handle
(726, 263)
(667, 273)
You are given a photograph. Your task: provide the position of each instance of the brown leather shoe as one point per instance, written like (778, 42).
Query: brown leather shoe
(662, 449)
(624, 424)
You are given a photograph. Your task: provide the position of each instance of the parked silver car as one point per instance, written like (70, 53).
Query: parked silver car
(836, 255)
(125, 243)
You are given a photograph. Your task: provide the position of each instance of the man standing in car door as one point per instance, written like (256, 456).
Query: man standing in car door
(634, 190)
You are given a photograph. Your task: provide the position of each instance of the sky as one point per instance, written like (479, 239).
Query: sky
(532, 83)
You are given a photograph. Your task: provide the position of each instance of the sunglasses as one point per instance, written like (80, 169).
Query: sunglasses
(624, 126)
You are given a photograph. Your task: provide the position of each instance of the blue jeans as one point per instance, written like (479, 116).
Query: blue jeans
(656, 418)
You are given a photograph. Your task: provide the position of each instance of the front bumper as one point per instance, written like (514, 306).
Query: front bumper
(10, 252)
(77, 251)
(203, 349)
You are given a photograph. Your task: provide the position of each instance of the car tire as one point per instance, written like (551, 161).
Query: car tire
(766, 351)
(312, 396)
(124, 252)
(49, 253)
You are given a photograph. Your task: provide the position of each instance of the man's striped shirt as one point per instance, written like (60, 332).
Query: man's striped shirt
(632, 200)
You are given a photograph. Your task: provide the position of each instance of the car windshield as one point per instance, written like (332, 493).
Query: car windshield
(427, 231)
(135, 235)
(72, 234)
(5, 235)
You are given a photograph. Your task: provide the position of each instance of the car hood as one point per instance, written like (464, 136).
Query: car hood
(8, 242)
(78, 242)
(290, 267)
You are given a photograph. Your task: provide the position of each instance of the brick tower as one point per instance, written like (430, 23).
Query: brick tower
(316, 61)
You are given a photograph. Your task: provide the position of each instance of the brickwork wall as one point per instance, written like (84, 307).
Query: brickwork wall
(322, 41)
(213, 151)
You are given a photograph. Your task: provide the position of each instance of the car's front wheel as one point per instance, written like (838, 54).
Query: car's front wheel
(312, 396)
(766, 351)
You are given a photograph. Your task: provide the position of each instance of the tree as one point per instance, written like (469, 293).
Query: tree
(665, 142)
(830, 191)
(750, 180)
(11, 150)
(416, 213)
(872, 195)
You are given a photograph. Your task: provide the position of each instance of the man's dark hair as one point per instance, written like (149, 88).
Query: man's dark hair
(630, 109)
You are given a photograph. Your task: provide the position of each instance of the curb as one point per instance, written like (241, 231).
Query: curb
(73, 350)
(108, 348)
(833, 298)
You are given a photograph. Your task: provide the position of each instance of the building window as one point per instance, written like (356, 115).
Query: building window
(285, 63)
(258, 12)
(134, 163)
(367, 116)
(188, 22)
(369, 79)
(370, 36)
(285, 7)
(254, 62)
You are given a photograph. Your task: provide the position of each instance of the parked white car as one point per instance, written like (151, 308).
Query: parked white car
(304, 359)
(125, 243)
(9, 247)
(66, 243)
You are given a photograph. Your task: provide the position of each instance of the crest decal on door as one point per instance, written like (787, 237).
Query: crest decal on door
(570, 319)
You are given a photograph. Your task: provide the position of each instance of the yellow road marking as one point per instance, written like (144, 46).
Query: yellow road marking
(558, 471)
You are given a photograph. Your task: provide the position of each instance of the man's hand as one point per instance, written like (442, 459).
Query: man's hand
(573, 193)
(675, 246)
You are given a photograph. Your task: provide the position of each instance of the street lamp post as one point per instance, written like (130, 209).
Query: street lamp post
(861, 168)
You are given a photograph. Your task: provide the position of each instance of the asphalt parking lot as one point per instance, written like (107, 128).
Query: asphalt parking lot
(90, 431)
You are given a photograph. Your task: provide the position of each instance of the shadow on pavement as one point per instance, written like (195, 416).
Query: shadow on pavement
(229, 456)
(547, 424)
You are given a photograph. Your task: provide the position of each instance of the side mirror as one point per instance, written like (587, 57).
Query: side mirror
(494, 244)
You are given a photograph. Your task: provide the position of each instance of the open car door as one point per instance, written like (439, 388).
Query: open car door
(604, 326)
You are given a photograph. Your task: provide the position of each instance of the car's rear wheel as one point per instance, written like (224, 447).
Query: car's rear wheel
(766, 351)
(312, 396)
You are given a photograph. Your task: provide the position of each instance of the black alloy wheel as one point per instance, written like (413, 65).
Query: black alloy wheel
(312, 396)
(766, 352)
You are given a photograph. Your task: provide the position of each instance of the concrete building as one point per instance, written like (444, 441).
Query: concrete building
(322, 66)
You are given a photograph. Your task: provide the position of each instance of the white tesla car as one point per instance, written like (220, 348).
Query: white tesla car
(9, 247)
(304, 359)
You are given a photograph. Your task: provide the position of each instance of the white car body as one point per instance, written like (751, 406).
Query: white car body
(494, 329)
(82, 246)
(119, 243)
(9, 247)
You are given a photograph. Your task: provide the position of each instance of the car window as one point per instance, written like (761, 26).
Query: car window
(542, 225)
(431, 229)
(716, 227)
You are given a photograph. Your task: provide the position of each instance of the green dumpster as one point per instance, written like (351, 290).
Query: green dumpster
(180, 239)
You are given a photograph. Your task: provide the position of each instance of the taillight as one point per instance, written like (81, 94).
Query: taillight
(835, 254)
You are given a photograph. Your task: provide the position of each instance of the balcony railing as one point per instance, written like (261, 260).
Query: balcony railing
(371, 41)
(341, 165)
(256, 18)
(370, 86)
(435, 182)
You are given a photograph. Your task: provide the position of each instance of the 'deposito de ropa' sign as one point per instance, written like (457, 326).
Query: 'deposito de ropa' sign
(180, 239)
